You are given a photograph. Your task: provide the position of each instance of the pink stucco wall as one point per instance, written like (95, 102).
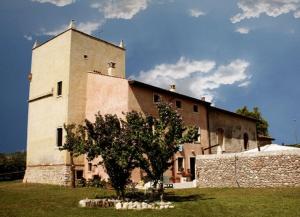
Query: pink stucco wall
(111, 95)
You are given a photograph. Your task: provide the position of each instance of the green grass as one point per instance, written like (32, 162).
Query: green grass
(24, 200)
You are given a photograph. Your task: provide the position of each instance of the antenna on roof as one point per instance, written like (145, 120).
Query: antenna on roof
(72, 24)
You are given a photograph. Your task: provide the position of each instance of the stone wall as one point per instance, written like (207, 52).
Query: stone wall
(56, 175)
(263, 169)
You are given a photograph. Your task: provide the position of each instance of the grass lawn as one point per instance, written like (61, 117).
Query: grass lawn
(24, 200)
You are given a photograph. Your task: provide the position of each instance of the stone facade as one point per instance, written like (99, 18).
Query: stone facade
(57, 175)
(263, 169)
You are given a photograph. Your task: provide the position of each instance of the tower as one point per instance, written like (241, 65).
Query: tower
(57, 96)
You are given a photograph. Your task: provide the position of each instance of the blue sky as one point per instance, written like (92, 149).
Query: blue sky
(242, 52)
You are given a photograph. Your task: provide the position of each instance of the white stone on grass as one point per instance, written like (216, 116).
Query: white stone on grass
(119, 205)
(125, 205)
(82, 203)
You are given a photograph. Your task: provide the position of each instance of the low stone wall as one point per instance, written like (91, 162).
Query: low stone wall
(263, 169)
(50, 174)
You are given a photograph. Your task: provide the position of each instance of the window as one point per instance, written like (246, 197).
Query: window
(180, 164)
(112, 65)
(178, 104)
(85, 57)
(195, 108)
(59, 136)
(59, 88)
(79, 174)
(156, 98)
(90, 167)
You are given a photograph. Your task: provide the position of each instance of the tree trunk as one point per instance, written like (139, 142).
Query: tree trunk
(161, 189)
(154, 186)
(72, 170)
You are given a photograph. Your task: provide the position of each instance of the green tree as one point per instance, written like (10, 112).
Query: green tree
(74, 144)
(261, 124)
(136, 141)
(109, 138)
(12, 165)
(158, 139)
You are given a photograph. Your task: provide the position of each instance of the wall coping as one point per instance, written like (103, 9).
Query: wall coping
(245, 154)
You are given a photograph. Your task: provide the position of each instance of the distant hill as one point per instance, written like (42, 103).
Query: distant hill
(294, 145)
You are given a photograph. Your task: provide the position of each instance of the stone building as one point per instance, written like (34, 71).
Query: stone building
(74, 75)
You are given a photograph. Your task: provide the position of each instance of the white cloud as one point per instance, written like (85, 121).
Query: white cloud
(243, 30)
(244, 84)
(197, 77)
(196, 13)
(55, 31)
(87, 27)
(28, 37)
(59, 3)
(254, 8)
(120, 9)
(297, 14)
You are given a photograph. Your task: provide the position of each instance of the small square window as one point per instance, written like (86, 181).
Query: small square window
(112, 65)
(85, 57)
(156, 98)
(59, 88)
(59, 137)
(90, 165)
(195, 108)
(178, 104)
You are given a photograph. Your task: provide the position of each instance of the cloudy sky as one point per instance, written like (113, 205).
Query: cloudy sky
(244, 52)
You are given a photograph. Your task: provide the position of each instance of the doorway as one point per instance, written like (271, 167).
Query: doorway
(192, 167)
(246, 141)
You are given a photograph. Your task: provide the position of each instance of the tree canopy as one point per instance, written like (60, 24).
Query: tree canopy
(262, 124)
(12, 165)
(159, 139)
(110, 138)
(137, 140)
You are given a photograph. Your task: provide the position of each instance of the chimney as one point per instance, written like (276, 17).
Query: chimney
(72, 25)
(172, 88)
(122, 45)
(203, 98)
(35, 44)
(111, 69)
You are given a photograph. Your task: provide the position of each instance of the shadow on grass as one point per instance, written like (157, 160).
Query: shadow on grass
(170, 196)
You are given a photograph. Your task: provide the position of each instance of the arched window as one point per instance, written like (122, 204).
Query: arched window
(246, 141)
